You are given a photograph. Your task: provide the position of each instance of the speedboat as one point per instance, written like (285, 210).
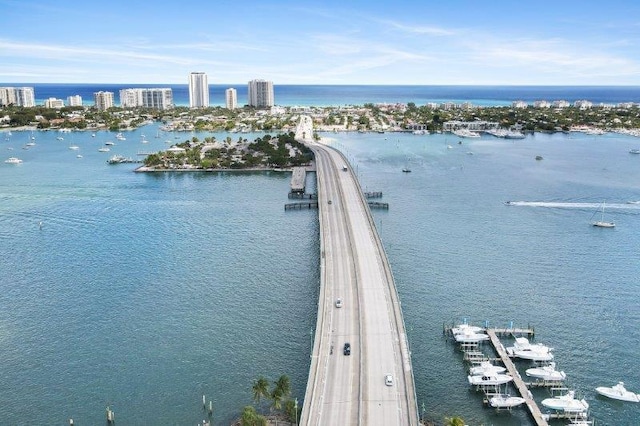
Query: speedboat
(547, 373)
(618, 392)
(485, 368)
(492, 379)
(13, 160)
(104, 149)
(469, 336)
(466, 327)
(505, 401)
(634, 151)
(525, 350)
(567, 403)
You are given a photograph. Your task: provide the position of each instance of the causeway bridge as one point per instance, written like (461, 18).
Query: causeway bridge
(351, 389)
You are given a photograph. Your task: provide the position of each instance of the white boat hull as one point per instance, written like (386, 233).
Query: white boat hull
(566, 403)
(547, 373)
(618, 392)
(490, 380)
(502, 401)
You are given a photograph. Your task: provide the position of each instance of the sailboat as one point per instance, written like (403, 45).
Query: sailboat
(602, 223)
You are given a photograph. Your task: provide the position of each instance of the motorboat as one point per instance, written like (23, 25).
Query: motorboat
(525, 350)
(492, 379)
(485, 368)
(469, 336)
(618, 392)
(634, 151)
(74, 147)
(506, 401)
(13, 160)
(104, 149)
(546, 373)
(567, 403)
(460, 328)
(109, 143)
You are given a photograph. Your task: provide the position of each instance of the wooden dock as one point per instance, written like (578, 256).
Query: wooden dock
(535, 412)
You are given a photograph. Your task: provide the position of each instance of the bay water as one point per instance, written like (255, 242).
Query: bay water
(146, 291)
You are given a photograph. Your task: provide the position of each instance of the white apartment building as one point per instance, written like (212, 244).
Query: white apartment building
(260, 93)
(156, 98)
(103, 100)
(541, 104)
(19, 96)
(561, 104)
(54, 103)
(231, 98)
(198, 90)
(519, 104)
(583, 104)
(75, 100)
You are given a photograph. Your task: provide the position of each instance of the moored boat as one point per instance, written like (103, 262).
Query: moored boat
(567, 403)
(505, 401)
(525, 350)
(485, 368)
(489, 380)
(13, 160)
(618, 392)
(546, 373)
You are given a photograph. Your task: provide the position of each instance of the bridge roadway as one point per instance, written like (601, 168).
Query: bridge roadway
(350, 389)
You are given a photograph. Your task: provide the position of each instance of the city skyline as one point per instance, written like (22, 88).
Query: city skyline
(405, 42)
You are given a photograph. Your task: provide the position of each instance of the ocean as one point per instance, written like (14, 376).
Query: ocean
(146, 291)
(340, 95)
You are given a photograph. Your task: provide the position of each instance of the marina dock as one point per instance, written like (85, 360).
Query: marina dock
(535, 412)
(298, 179)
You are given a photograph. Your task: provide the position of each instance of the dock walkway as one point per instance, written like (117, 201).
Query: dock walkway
(535, 412)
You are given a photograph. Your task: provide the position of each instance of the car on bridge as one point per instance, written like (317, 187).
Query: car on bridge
(388, 380)
(338, 303)
(347, 349)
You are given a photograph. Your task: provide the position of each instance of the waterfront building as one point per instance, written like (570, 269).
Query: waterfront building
(198, 90)
(561, 104)
(260, 93)
(18, 96)
(103, 100)
(583, 104)
(474, 126)
(53, 103)
(519, 104)
(75, 100)
(156, 98)
(541, 104)
(231, 98)
(447, 106)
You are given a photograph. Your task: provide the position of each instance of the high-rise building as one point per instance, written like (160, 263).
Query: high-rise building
(54, 103)
(75, 100)
(103, 100)
(198, 90)
(260, 93)
(157, 98)
(18, 96)
(231, 98)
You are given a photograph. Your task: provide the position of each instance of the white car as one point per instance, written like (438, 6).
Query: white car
(388, 380)
(338, 303)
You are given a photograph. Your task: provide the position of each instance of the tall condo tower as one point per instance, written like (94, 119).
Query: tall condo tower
(260, 93)
(231, 98)
(103, 100)
(198, 90)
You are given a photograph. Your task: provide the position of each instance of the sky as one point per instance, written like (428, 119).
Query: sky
(422, 42)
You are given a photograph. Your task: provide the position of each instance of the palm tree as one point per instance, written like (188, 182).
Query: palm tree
(276, 397)
(260, 389)
(453, 421)
(283, 385)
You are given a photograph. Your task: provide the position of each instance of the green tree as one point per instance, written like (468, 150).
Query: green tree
(454, 421)
(283, 385)
(251, 418)
(260, 389)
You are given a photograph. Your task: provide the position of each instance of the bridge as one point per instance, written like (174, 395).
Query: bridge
(352, 388)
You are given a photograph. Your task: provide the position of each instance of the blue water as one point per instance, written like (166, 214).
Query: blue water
(336, 95)
(147, 291)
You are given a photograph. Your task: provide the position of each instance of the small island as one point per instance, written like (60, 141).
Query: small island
(277, 152)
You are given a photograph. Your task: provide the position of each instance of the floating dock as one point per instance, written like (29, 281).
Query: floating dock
(300, 206)
(535, 412)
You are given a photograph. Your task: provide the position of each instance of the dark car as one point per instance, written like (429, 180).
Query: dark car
(347, 349)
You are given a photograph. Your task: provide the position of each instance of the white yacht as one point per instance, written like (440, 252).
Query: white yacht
(13, 160)
(489, 380)
(74, 147)
(104, 149)
(506, 401)
(460, 328)
(567, 403)
(485, 368)
(466, 133)
(618, 392)
(546, 373)
(470, 336)
(525, 350)
(120, 137)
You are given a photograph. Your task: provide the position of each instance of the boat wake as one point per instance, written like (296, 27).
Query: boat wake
(631, 205)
